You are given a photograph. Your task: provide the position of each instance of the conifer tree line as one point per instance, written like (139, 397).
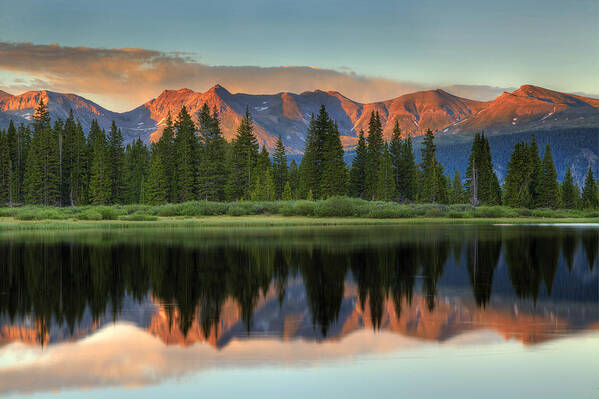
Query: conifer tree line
(55, 164)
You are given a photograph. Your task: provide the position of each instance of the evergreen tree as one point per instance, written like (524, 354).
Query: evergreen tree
(294, 178)
(42, 182)
(385, 187)
(376, 148)
(456, 194)
(244, 156)
(18, 146)
(138, 159)
(100, 183)
(434, 182)
(535, 172)
(156, 185)
(589, 192)
(187, 150)
(406, 172)
(548, 189)
(5, 176)
(480, 176)
(279, 169)
(334, 170)
(517, 182)
(311, 165)
(166, 150)
(212, 176)
(569, 191)
(117, 162)
(358, 168)
(78, 167)
(287, 193)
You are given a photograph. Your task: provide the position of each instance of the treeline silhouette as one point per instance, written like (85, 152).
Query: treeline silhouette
(55, 281)
(45, 164)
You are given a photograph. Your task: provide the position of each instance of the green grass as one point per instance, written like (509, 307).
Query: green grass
(336, 210)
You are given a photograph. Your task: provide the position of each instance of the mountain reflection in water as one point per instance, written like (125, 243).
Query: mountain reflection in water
(294, 285)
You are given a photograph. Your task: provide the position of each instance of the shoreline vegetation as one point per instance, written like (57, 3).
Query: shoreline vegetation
(332, 211)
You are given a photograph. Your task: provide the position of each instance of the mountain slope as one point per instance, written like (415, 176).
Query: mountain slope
(528, 108)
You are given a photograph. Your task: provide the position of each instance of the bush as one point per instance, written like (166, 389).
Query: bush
(40, 214)
(390, 211)
(304, 208)
(337, 207)
(89, 215)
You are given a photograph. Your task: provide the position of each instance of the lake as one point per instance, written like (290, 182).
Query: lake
(444, 311)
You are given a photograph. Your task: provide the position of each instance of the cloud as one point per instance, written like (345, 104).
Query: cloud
(124, 78)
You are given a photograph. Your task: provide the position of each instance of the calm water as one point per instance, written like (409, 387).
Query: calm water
(338, 312)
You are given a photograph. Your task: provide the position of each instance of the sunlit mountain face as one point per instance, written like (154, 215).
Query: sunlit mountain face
(246, 297)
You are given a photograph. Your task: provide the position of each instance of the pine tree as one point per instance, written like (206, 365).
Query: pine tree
(516, 185)
(434, 182)
(187, 148)
(589, 192)
(244, 155)
(42, 180)
(311, 165)
(535, 172)
(569, 191)
(358, 168)
(548, 190)
(78, 168)
(212, 167)
(18, 141)
(100, 184)
(456, 194)
(280, 170)
(156, 185)
(480, 166)
(334, 170)
(167, 152)
(376, 147)
(5, 177)
(287, 193)
(385, 186)
(406, 172)
(294, 177)
(117, 161)
(137, 161)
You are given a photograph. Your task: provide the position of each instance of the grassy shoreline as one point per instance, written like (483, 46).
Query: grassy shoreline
(267, 221)
(333, 211)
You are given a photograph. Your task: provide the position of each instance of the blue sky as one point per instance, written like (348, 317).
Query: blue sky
(550, 43)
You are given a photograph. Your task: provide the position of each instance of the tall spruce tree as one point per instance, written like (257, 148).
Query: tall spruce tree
(156, 185)
(376, 148)
(212, 168)
(166, 150)
(589, 198)
(385, 186)
(456, 193)
(42, 180)
(118, 174)
(244, 155)
(480, 176)
(517, 182)
(548, 189)
(358, 168)
(569, 191)
(434, 183)
(5, 170)
(138, 162)
(100, 182)
(187, 148)
(334, 171)
(406, 171)
(311, 165)
(294, 178)
(280, 170)
(78, 167)
(535, 169)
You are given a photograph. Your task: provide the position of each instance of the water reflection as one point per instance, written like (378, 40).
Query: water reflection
(433, 283)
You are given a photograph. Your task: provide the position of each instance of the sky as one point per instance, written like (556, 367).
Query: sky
(122, 53)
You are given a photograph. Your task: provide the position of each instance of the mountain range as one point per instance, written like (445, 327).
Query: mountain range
(529, 108)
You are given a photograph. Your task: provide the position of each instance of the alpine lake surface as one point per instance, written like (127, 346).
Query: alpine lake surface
(407, 311)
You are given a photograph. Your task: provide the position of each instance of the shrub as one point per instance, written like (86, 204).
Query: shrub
(89, 214)
(337, 207)
(304, 208)
(138, 216)
(390, 211)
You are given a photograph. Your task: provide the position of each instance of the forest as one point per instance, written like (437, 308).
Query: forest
(53, 163)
